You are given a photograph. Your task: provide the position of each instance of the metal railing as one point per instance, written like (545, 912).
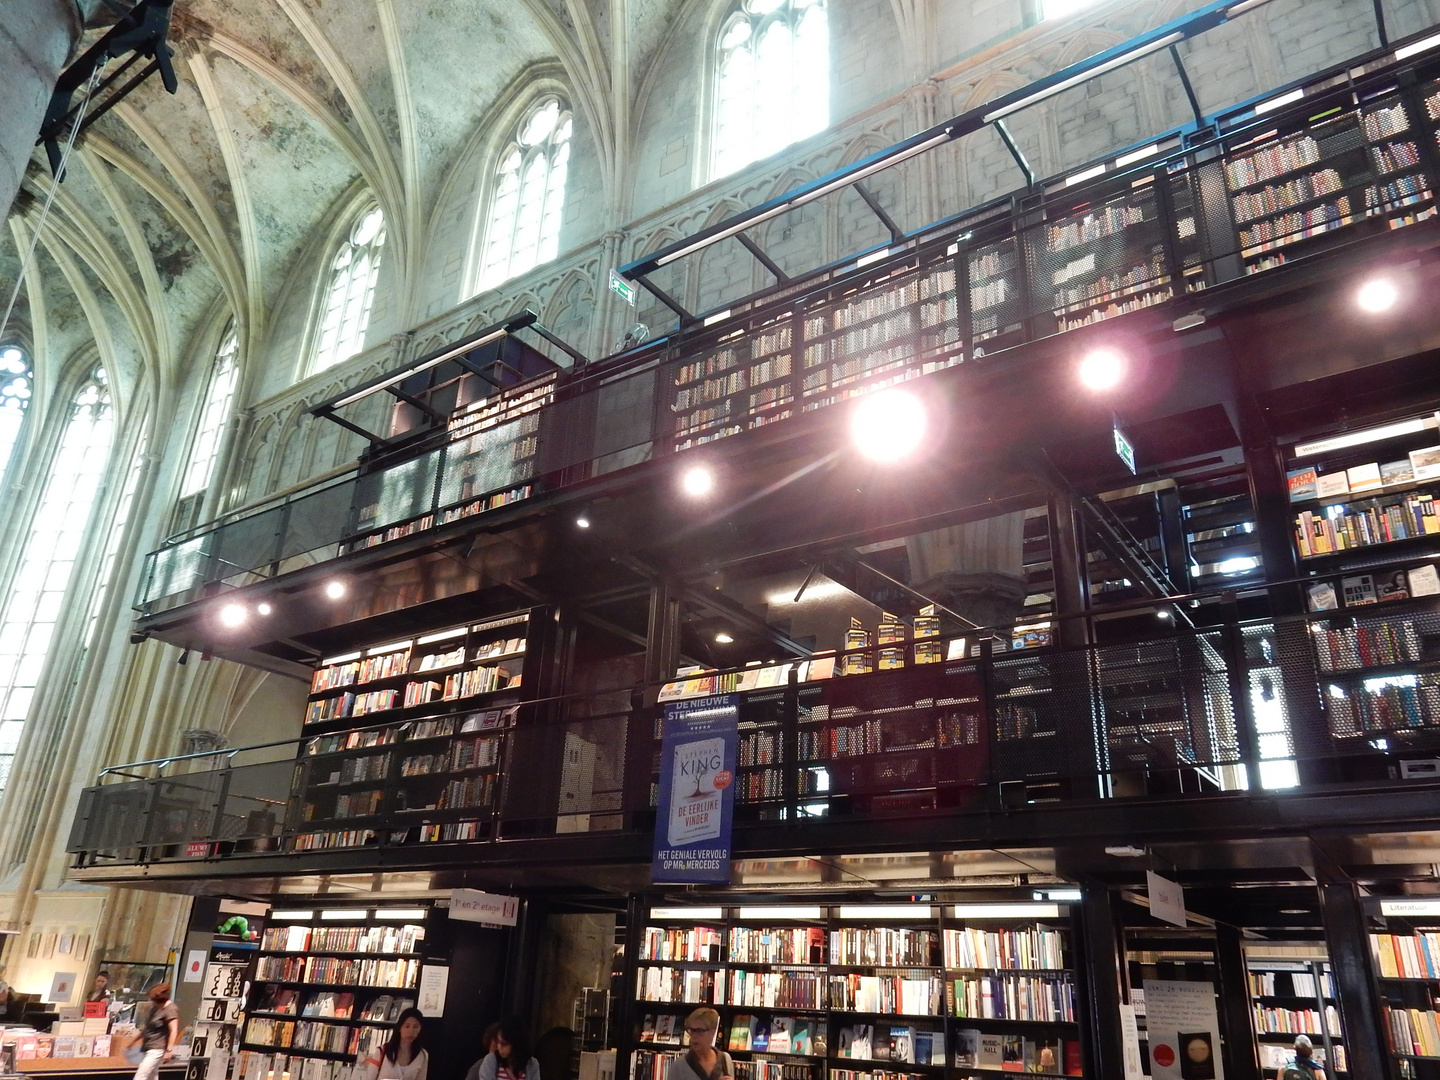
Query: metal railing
(1206, 704)
(1235, 195)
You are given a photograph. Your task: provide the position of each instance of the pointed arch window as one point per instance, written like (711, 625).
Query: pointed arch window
(350, 293)
(16, 382)
(205, 449)
(33, 605)
(772, 80)
(523, 226)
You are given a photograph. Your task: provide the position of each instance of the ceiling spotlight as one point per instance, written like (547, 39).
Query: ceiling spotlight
(1377, 295)
(233, 615)
(582, 522)
(723, 638)
(1294, 911)
(263, 608)
(1125, 851)
(697, 481)
(335, 589)
(1164, 615)
(888, 426)
(1102, 369)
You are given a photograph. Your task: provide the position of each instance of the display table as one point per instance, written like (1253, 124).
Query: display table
(90, 1066)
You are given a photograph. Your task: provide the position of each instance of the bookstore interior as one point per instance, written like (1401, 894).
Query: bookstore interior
(919, 731)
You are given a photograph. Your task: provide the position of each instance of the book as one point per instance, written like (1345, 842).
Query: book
(1012, 1053)
(857, 637)
(1358, 590)
(741, 1029)
(1425, 462)
(927, 623)
(1330, 485)
(1364, 477)
(991, 1054)
(760, 1036)
(1301, 483)
(1424, 580)
(781, 1029)
(890, 630)
(1396, 472)
(1321, 596)
(1391, 586)
(967, 1047)
(800, 1038)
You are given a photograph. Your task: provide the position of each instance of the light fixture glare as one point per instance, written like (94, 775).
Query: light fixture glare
(233, 615)
(1377, 295)
(263, 608)
(334, 589)
(723, 638)
(888, 426)
(1102, 369)
(697, 481)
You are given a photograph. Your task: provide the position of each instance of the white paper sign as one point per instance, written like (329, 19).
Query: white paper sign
(1130, 1043)
(472, 905)
(1167, 898)
(1183, 1031)
(434, 981)
(194, 965)
(62, 987)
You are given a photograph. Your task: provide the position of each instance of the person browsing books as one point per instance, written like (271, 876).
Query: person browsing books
(509, 1057)
(1302, 1065)
(404, 1056)
(703, 1061)
(159, 1033)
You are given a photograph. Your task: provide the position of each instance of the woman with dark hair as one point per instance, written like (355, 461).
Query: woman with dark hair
(510, 1059)
(404, 1056)
(159, 1033)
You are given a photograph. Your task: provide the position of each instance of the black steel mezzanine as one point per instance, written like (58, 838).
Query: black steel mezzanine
(1357, 155)
(1180, 715)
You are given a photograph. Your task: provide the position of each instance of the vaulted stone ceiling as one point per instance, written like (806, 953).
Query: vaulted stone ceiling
(179, 209)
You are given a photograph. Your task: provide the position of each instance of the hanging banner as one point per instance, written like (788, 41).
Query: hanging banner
(1183, 1031)
(697, 793)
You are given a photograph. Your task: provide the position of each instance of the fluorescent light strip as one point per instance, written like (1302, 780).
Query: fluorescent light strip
(345, 659)
(1137, 155)
(1366, 435)
(1086, 174)
(1409, 907)
(1242, 7)
(401, 913)
(874, 256)
(686, 913)
(426, 366)
(807, 197)
(886, 911)
(1275, 102)
(292, 915)
(719, 316)
(1007, 911)
(788, 911)
(1083, 76)
(1058, 895)
(1416, 47)
(444, 635)
(395, 646)
(336, 914)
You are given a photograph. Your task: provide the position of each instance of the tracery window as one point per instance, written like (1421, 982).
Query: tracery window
(350, 293)
(528, 195)
(205, 449)
(772, 82)
(34, 602)
(16, 383)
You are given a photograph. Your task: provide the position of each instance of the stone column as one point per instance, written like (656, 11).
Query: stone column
(36, 38)
(976, 569)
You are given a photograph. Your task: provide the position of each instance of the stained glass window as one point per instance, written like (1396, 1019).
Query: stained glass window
(523, 228)
(353, 273)
(772, 84)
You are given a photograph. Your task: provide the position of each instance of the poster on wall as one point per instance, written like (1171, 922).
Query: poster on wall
(1183, 1030)
(697, 792)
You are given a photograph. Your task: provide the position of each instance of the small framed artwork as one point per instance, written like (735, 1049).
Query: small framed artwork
(1426, 462)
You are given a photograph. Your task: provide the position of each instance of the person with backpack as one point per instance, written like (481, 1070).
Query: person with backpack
(1302, 1065)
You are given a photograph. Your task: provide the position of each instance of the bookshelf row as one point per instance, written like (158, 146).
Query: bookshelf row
(1030, 949)
(381, 938)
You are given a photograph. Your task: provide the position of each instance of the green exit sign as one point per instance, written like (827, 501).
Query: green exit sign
(622, 288)
(1125, 448)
